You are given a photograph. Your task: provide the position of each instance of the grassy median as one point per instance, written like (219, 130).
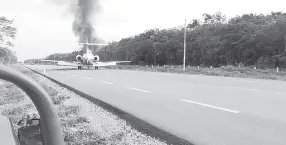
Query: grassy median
(82, 121)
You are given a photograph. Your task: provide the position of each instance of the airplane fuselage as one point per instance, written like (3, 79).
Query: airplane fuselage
(87, 59)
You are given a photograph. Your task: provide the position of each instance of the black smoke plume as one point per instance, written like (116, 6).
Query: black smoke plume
(84, 12)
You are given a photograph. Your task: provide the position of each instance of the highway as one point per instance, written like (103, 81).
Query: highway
(205, 110)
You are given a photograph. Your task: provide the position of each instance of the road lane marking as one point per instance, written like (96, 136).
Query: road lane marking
(73, 75)
(259, 90)
(106, 82)
(242, 88)
(87, 78)
(250, 81)
(211, 106)
(139, 90)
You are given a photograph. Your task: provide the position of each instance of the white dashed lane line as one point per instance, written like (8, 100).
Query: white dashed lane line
(87, 78)
(106, 82)
(73, 75)
(210, 106)
(139, 90)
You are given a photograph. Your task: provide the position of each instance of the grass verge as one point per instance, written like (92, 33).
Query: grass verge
(82, 121)
(226, 71)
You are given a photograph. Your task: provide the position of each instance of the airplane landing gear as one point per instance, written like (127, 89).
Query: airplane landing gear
(79, 67)
(96, 67)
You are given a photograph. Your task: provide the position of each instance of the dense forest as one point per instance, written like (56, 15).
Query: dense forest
(250, 39)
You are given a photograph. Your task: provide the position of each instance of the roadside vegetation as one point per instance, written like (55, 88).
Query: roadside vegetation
(7, 33)
(82, 121)
(221, 47)
(212, 40)
(226, 71)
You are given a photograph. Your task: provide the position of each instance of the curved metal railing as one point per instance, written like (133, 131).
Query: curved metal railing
(51, 127)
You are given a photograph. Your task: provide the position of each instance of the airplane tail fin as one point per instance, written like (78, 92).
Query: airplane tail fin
(87, 49)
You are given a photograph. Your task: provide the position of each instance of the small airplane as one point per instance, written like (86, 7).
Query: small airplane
(87, 59)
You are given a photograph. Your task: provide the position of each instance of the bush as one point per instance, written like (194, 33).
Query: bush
(59, 99)
(65, 110)
(7, 56)
(51, 91)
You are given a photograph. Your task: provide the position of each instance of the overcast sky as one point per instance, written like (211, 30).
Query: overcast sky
(45, 28)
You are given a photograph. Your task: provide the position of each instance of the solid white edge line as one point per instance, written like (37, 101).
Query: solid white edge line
(214, 107)
(106, 82)
(139, 90)
(259, 90)
(87, 78)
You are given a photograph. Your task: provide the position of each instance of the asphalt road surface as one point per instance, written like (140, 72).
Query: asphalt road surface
(202, 109)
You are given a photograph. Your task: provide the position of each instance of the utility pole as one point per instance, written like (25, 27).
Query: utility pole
(285, 39)
(184, 61)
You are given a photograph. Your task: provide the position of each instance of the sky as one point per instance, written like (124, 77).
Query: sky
(45, 27)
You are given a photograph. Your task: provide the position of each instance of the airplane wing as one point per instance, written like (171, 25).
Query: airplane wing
(48, 60)
(107, 63)
(62, 63)
(92, 44)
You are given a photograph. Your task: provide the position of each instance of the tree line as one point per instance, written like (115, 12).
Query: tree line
(249, 40)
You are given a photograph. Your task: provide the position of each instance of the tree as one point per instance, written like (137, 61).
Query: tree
(7, 31)
(249, 39)
(7, 56)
